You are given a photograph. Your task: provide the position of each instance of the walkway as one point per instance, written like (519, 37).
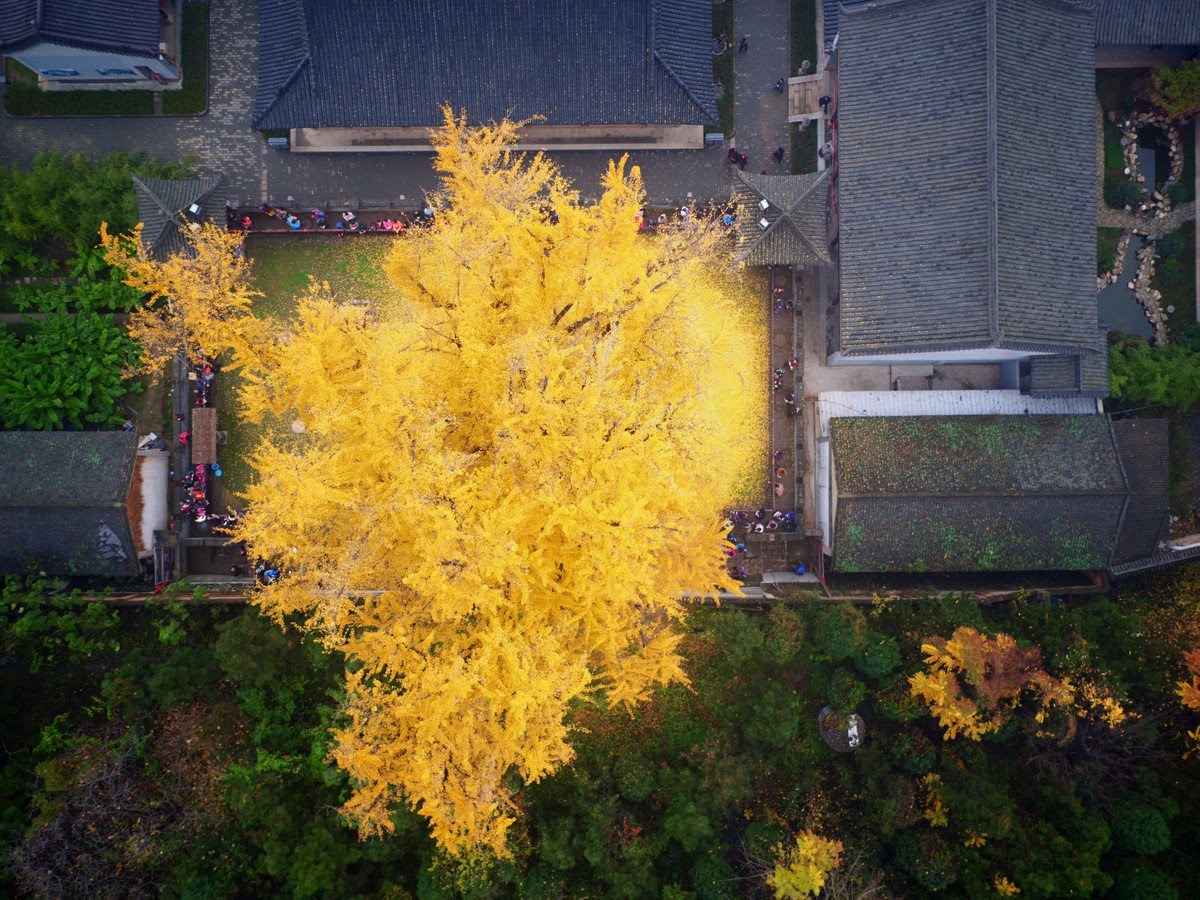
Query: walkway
(759, 110)
(221, 140)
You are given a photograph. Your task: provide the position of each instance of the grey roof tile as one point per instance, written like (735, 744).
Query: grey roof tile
(361, 63)
(797, 216)
(975, 493)
(1147, 22)
(964, 222)
(1142, 445)
(159, 205)
(62, 502)
(123, 26)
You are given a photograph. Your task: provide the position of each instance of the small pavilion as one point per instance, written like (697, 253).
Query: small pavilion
(782, 219)
(164, 207)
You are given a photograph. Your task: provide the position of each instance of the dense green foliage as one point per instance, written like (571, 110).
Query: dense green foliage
(63, 368)
(212, 722)
(1176, 89)
(57, 206)
(1165, 376)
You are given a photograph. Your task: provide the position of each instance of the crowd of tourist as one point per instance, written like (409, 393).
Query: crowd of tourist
(275, 218)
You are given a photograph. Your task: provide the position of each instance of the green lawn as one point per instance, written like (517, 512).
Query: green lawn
(283, 267)
(802, 25)
(1106, 249)
(1175, 276)
(723, 64)
(192, 97)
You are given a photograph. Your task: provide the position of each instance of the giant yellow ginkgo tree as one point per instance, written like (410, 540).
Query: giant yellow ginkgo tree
(502, 481)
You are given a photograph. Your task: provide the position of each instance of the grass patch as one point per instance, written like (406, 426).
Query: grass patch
(805, 45)
(723, 65)
(1106, 249)
(802, 28)
(23, 98)
(283, 267)
(1184, 190)
(804, 149)
(1121, 89)
(192, 97)
(1175, 276)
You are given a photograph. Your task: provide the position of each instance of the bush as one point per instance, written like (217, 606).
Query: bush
(1170, 273)
(773, 717)
(1176, 90)
(927, 858)
(878, 656)
(1140, 828)
(1122, 192)
(634, 777)
(1189, 338)
(761, 840)
(845, 691)
(897, 703)
(840, 630)
(1143, 882)
(192, 96)
(913, 753)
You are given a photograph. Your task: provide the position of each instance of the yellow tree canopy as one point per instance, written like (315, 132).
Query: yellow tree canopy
(801, 871)
(198, 301)
(508, 476)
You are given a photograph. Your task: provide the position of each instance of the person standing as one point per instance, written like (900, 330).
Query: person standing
(745, 44)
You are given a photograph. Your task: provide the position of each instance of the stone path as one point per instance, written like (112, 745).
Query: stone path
(759, 111)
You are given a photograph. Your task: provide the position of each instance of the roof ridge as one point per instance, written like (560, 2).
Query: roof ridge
(284, 86)
(679, 81)
(170, 214)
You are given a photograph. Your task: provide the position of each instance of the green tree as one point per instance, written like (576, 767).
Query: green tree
(1176, 89)
(1166, 376)
(67, 373)
(58, 203)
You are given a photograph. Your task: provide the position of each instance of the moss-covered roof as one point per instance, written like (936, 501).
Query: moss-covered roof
(975, 493)
(63, 502)
(959, 455)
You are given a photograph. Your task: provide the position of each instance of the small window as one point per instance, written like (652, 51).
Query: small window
(116, 71)
(59, 73)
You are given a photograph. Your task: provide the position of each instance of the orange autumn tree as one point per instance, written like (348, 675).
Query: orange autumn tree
(198, 300)
(1189, 692)
(975, 683)
(502, 480)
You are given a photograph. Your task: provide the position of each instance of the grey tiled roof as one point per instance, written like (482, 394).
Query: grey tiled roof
(964, 220)
(1142, 445)
(1119, 23)
(382, 63)
(124, 26)
(975, 493)
(62, 502)
(1147, 22)
(159, 206)
(1081, 374)
(797, 214)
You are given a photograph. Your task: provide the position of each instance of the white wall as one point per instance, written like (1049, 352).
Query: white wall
(982, 355)
(89, 63)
